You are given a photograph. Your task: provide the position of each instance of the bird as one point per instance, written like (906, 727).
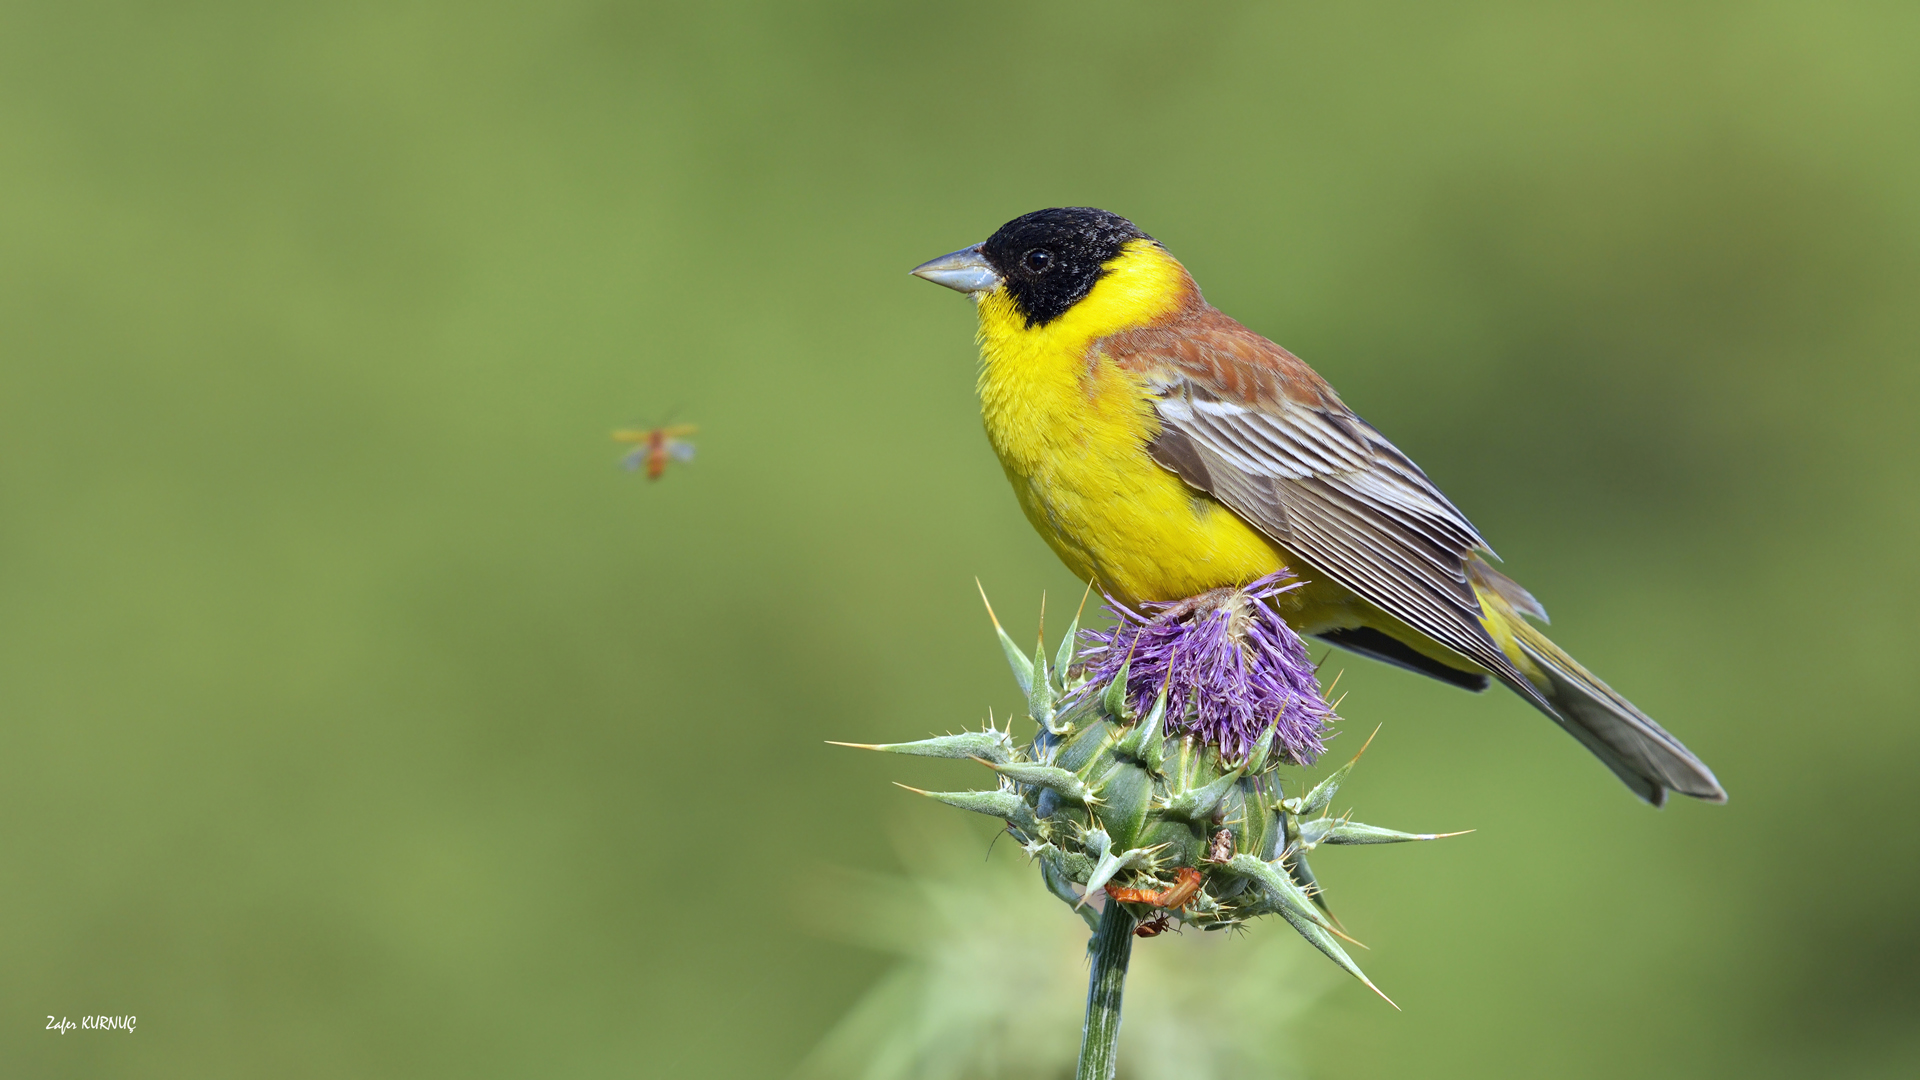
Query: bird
(1164, 450)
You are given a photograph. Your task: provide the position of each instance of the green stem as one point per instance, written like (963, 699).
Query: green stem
(1112, 946)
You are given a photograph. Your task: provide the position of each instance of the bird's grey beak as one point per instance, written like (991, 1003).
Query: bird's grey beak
(965, 270)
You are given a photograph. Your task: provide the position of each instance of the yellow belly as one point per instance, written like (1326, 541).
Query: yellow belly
(1139, 538)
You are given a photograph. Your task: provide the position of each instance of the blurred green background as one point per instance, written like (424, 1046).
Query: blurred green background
(362, 718)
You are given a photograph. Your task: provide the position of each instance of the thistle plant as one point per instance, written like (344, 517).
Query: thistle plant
(1150, 794)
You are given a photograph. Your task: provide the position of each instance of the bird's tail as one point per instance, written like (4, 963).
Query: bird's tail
(1639, 751)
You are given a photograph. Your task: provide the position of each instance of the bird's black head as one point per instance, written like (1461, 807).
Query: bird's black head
(1050, 259)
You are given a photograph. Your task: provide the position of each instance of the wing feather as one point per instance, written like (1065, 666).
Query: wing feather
(1347, 540)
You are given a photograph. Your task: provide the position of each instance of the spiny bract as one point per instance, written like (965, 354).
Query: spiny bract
(1110, 800)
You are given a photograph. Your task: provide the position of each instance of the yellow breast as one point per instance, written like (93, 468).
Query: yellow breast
(1071, 429)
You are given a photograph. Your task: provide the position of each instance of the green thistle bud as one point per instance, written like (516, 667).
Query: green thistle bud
(1152, 788)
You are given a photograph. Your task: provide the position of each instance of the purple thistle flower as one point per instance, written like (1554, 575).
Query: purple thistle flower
(1229, 664)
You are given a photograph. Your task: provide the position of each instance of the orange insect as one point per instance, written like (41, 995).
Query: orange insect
(654, 447)
(1186, 884)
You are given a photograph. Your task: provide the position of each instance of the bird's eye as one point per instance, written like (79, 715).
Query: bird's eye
(1039, 259)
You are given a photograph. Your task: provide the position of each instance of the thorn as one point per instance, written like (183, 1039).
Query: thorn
(855, 745)
(1364, 745)
(1043, 619)
(1337, 701)
(1083, 601)
(1335, 682)
(1349, 941)
(915, 790)
(989, 603)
